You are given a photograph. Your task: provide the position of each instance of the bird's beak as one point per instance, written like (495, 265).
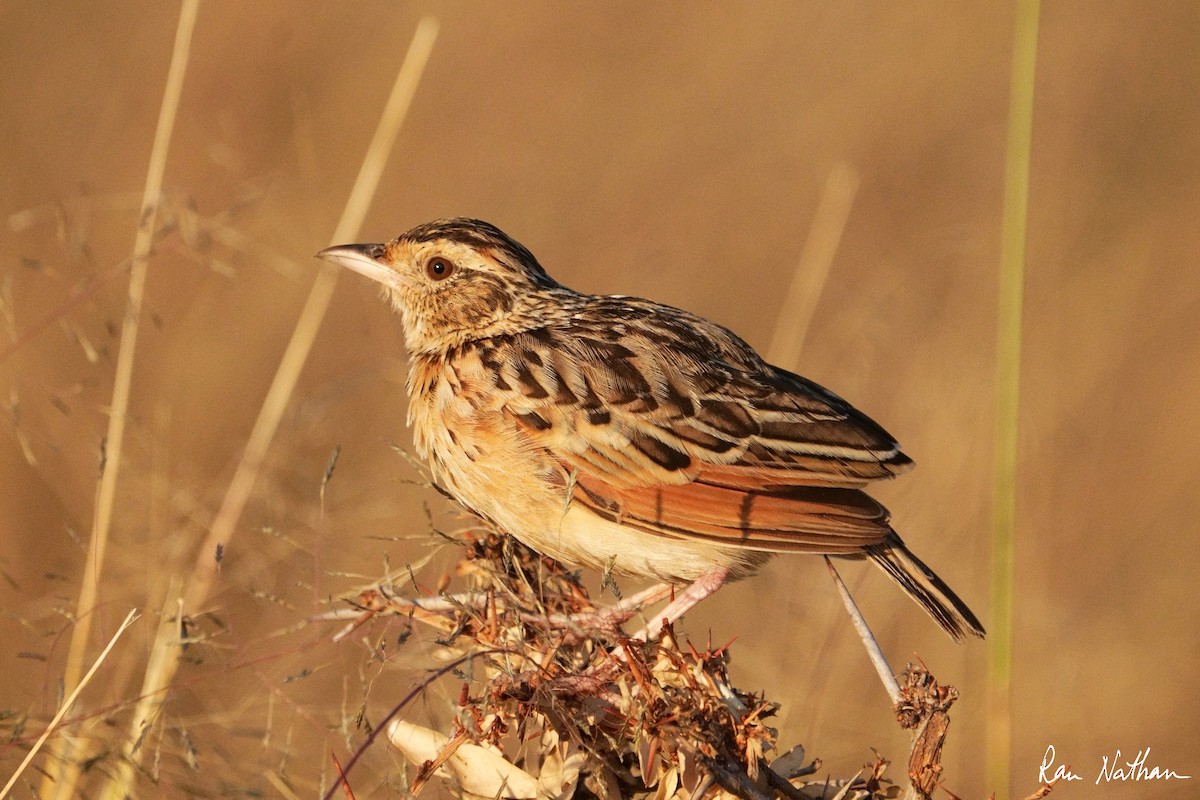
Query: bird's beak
(366, 259)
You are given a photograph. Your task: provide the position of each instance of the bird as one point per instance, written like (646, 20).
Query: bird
(623, 435)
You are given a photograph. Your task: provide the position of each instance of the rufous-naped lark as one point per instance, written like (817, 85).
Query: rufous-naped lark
(620, 434)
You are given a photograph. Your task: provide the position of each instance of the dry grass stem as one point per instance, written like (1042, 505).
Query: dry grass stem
(162, 653)
(58, 783)
(311, 316)
(277, 783)
(165, 661)
(66, 705)
(811, 272)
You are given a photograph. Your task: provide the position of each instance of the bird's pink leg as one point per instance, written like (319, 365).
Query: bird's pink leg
(620, 611)
(705, 585)
(636, 602)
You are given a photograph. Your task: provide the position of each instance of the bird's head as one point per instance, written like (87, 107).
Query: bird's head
(453, 280)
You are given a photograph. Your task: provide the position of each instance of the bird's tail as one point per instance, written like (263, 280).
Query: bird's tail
(923, 585)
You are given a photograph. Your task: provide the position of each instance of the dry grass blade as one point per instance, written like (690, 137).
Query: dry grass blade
(277, 783)
(56, 782)
(203, 576)
(311, 315)
(811, 272)
(70, 701)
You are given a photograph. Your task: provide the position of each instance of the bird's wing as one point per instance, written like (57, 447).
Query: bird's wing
(669, 423)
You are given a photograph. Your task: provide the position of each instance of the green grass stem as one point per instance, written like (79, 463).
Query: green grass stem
(1008, 373)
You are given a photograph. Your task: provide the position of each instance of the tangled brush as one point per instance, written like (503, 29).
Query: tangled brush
(558, 702)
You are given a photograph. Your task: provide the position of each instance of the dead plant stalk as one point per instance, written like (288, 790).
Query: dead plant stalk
(202, 578)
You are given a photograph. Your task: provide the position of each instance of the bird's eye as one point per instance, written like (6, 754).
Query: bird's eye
(439, 268)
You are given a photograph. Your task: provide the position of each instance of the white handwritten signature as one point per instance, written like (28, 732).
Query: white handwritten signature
(1131, 771)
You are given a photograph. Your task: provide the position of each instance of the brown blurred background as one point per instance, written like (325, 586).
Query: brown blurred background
(676, 152)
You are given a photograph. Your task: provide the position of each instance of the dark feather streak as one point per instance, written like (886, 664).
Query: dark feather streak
(660, 453)
(529, 384)
(534, 420)
(728, 418)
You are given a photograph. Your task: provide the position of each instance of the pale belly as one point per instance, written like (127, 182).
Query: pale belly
(589, 540)
(525, 495)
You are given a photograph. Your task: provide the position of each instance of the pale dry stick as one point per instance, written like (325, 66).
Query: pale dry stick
(130, 618)
(813, 268)
(57, 782)
(205, 572)
(886, 676)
